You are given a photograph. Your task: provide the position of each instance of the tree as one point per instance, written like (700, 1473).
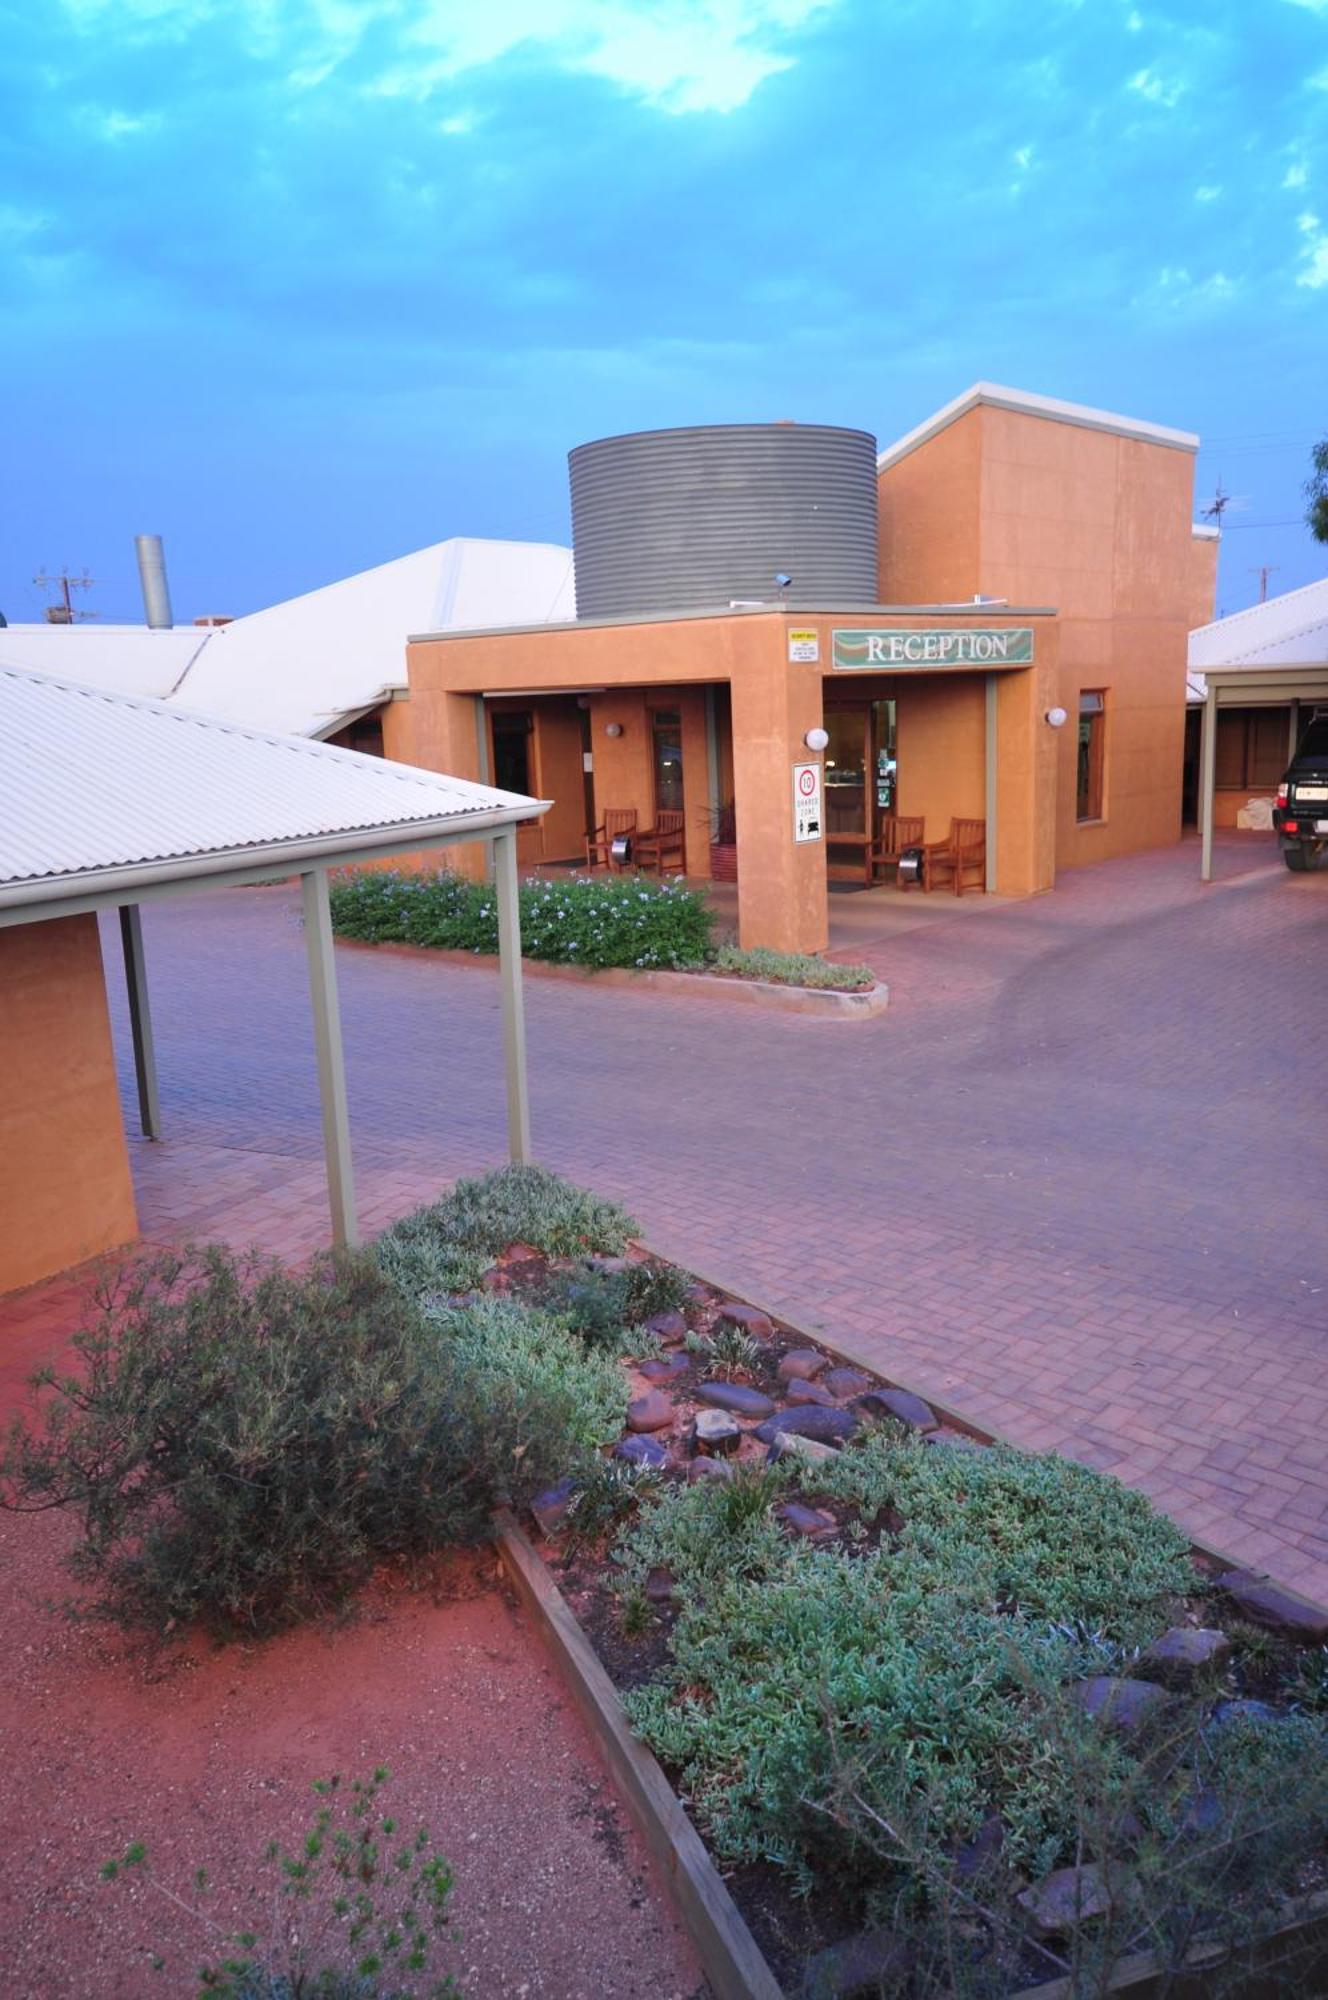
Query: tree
(1316, 492)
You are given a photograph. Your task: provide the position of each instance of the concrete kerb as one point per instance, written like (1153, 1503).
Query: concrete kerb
(823, 1002)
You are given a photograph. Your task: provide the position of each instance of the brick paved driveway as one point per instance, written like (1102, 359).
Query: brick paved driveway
(1073, 1183)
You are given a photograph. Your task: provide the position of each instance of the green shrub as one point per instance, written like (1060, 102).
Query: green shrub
(611, 920)
(608, 1308)
(449, 1245)
(793, 968)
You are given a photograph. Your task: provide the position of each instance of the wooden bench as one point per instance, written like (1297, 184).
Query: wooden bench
(895, 835)
(964, 850)
(617, 820)
(662, 845)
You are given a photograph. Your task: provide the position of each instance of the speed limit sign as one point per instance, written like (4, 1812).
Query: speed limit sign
(807, 802)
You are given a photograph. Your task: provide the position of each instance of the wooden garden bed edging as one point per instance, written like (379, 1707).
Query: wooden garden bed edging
(727, 1949)
(1141, 1976)
(829, 1003)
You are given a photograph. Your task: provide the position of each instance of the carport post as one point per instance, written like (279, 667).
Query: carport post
(993, 773)
(140, 1020)
(509, 979)
(1207, 774)
(331, 1063)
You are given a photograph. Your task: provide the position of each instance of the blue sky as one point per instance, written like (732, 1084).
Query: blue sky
(305, 284)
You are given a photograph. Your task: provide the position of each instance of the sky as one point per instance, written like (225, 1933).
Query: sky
(303, 285)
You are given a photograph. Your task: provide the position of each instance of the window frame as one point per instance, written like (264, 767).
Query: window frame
(1090, 799)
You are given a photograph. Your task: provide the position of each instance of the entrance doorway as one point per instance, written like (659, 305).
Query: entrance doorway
(861, 781)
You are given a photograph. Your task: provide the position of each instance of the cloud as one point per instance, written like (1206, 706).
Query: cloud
(1295, 175)
(1146, 83)
(1209, 192)
(1314, 252)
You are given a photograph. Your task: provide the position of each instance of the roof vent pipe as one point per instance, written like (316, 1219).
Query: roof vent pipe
(152, 576)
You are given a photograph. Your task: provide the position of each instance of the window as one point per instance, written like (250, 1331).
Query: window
(1251, 752)
(1092, 728)
(666, 731)
(511, 750)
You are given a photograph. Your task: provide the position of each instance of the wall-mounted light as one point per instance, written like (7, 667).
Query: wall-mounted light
(613, 729)
(1057, 717)
(816, 739)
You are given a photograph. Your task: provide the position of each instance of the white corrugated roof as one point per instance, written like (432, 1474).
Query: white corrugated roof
(299, 666)
(93, 783)
(1289, 630)
(1026, 403)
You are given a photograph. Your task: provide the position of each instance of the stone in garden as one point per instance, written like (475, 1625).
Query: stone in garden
(643, 1451)
(666, 1369)
(900, 1403)
(1265, 1604)
(662, 1586)
(551, 1508)
(702, 1469)
(973, 1857)
(1124, 1707)
(750, 1318)
(786, 1445)
(845, 1382)
(699, 1294)
(812, 1521)
(1181, 1655)
(862, 1966)
(716, 1431)
(668, 1328)
(1065, 1899)
(1245, 1710)
(826, 1426)
(957, 1440)
(808, 1392)
(651, 1412)
(612, 1267)
(735, 1396)
(802, 1364)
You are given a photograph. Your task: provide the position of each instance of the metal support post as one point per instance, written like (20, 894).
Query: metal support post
(509, 979)
(993, 779)
(1207, 776)
(331, 1062)
(140, 1020)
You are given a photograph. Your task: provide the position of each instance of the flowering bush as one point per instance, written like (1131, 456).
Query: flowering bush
(608, 920)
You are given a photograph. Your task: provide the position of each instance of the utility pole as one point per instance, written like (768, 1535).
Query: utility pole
(1263, 572)
(63, 612)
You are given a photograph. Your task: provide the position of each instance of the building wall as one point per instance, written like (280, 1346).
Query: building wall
(1204, 552)
(928, 509)
(65, 1188)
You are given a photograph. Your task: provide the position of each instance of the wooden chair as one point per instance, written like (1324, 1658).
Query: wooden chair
(662, 845)
(895, 835)
(965, 849)
(599, 844)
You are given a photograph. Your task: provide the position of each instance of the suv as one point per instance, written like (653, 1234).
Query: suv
(1301, 812)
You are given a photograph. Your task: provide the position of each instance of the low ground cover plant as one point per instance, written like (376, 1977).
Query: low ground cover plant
(600, 921)
(450, 1244)
(793, 968)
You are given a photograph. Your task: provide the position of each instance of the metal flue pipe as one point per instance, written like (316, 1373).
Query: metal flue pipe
(152, 576)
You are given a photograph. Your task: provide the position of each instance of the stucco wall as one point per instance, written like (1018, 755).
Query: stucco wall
(65, 1188)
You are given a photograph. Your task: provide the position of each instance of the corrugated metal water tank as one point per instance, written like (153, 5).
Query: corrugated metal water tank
(681, 520)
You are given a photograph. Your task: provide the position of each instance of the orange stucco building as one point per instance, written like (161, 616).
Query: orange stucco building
(1018, 657)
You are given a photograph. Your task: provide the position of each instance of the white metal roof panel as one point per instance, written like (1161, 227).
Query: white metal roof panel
(128, 659)
(1291, 629)
(91, 781)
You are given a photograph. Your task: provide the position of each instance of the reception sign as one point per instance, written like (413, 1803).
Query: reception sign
(879, 648)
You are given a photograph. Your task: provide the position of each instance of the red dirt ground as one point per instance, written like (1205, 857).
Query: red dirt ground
(206, 1753)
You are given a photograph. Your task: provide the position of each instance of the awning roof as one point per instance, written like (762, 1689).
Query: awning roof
(103, 796)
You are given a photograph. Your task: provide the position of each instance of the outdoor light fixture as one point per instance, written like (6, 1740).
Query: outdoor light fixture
(1057, 717)
(816, 739)
(613, 729)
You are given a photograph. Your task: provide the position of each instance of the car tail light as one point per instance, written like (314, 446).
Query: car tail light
(1291, 826)
(1283, 792)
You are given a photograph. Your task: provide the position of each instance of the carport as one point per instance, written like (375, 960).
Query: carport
(111, 802)
(1301, 687)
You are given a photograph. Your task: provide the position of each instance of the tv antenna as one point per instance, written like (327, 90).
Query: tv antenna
(1214, 509)
(62, 612)
(1263, 571)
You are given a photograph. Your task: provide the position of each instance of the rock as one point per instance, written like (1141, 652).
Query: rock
(611, 1266)
(662, 1586)
(957, 1440)
(666, 1369)
(800, 1392)
(973, 1857)
(651, 1412)
(845, 1382)
(812, 1521)
(716, 1431)
(670, 1328)
(1185, 1653)
(644, 1451)
(750, 1318)
(1265, 1604)
(899, 1403)
(784, 1445)
(1245, 1710)
(1124, 1707)
(1065, 1899)
(860, 1967)
(699, 1294)
(826, 1426)
(551, 1508)
(802, 1364)
(734, 1396)
(702, 1469)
